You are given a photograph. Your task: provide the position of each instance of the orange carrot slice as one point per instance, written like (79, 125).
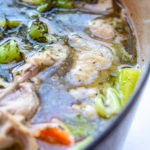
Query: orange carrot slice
(54, 135)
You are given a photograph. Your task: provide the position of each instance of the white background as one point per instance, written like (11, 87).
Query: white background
(139, 134)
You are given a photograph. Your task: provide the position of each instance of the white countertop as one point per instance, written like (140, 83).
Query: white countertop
(139, 134)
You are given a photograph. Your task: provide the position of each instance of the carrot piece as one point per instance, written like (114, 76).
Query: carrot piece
(54, 135)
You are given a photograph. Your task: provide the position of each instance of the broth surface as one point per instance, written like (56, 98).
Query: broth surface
(67, 58)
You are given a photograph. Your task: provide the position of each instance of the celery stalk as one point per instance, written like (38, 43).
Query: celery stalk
(110, 104)
(126, 82)
(9, 52)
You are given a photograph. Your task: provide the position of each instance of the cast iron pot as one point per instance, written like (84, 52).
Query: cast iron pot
(113, 137)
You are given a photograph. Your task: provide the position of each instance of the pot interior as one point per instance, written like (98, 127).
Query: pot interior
(138, 13)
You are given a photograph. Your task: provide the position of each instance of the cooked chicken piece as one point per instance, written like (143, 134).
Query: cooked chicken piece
(83, 93)
(87, 67)
(91, 58)
(16, 106)
(14, 132)
(86, 109)
(100, 6)
(102, 29)
(81, 42)
(58, 52)
(21, 101)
